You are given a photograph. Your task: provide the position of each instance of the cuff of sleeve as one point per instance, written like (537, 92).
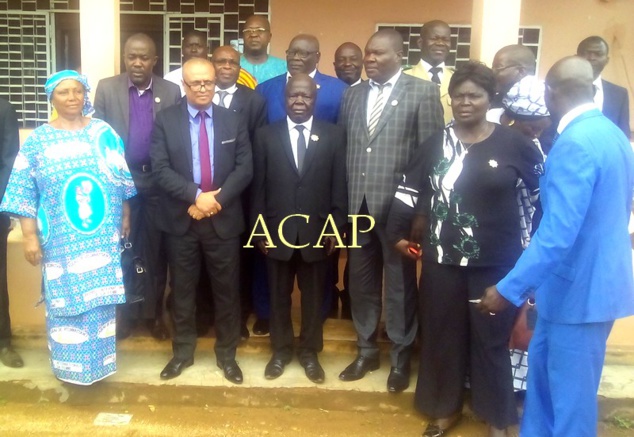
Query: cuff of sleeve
(515, 297)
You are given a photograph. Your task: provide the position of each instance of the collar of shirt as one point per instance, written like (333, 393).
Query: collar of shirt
(311, 74)
(357, 82)
(140, 91)
(572, 114)
(598, 92)
(193, 112)
(427, 66)
(232, 89)
(392, 80)
(308, 124)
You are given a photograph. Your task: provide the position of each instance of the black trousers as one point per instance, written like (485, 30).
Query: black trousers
(311, 279)
(458, 340)
(5, 320)
(222, 260)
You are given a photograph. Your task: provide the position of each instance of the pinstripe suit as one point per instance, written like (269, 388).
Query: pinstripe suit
(375, 167)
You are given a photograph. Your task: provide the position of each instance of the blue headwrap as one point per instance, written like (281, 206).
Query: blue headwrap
(60, 76)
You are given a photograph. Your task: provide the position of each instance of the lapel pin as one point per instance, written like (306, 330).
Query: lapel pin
(394, 102)
(314, 138)
(493, 163)
(318, 86)
(157, 99)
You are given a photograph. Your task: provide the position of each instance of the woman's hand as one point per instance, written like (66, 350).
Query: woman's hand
(125, 220)
(32, 248)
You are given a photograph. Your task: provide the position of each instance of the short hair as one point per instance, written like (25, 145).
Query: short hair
(432, 25)
(477, 73)
(594, 39)
(194, 32)
(392, 35)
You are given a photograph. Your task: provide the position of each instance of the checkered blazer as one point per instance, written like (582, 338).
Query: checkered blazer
(376, 163)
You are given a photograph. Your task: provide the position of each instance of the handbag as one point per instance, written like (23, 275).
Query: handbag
(524, 326)
(135, 277)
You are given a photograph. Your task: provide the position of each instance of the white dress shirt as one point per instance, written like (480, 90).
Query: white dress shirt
(427, 66)
(572, 114)
(374, 93)
(598, 93)
(228, 98)
(294, 134)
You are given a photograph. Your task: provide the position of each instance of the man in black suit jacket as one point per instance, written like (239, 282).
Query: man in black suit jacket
(201, 161)
(9, 145)
(299, 183)
(612, 100)
(129, 102)
(251, 106)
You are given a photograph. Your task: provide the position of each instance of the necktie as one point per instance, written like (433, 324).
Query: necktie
(205, 160)
(434, 74)
(221, 98)
(301, 147)
(375, 114)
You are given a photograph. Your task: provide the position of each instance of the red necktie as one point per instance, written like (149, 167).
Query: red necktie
(205, 161)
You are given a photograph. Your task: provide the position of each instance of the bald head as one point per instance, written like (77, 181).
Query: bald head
(300, 94)
(226, 62)
(434, 42)
(257, 36)
(383, 54)
(199, 82)
(390, 37)
(568, 85)
(511, 64)
(348, 62)
(303, 54)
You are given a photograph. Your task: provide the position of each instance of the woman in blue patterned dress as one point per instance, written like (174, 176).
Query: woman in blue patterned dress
(69, 186)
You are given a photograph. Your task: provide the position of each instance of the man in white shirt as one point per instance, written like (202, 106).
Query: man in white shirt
(194, 46)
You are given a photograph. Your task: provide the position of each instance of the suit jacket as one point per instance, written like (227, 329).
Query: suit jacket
(419, 72)
(279, 190)
(171, 154)
(9, 142)
(580, 260)
(329, 94)
(251, 106)
(616, 106)
(112, 101)
(376, 163)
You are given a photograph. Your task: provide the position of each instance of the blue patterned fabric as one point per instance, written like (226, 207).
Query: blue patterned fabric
(83, 347)
(74, 183)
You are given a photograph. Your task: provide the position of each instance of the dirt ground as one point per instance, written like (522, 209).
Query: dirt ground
(52, 419)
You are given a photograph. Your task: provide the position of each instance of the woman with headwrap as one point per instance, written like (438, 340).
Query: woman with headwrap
(69, 186)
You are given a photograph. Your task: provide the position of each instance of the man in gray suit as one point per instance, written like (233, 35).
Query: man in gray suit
(387, 119)
(129, 103)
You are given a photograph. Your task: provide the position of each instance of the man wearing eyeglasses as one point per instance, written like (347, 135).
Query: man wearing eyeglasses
(201, 159)
(302, 56)
(510, 65)
(256, 60)
(434, 44)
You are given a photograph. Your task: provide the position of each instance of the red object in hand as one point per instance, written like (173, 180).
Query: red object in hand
(414, 251)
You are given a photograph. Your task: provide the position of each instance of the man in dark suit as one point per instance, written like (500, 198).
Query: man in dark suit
(349, 63)
(9, 145)
(129, 102)
(201, 159)
(386, 119)
(299, 182)
(303, 56)
(579, 262)
(251, 106)
(611, 99)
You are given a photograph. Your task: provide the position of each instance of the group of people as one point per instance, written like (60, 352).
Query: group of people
(253, 189)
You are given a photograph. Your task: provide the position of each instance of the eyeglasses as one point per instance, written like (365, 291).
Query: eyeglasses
(500, 69)
(301, 54)
(254, 31)
(198, 86)
(231, 62)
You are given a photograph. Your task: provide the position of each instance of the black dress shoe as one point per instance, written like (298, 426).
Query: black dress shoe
(157, 328)
(275, 367)
(175, 367)
(10, 358)
(313, 369)
(232, 371)
(398, 379)
(261, 327)
(358, 368)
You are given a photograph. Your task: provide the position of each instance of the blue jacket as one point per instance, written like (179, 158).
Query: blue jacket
(579, 262)
(329, 94)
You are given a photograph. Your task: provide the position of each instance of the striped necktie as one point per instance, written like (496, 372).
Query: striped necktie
(221, 98)
(377, 109)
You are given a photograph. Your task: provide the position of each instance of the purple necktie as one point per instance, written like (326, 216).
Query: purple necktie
(205, 161)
